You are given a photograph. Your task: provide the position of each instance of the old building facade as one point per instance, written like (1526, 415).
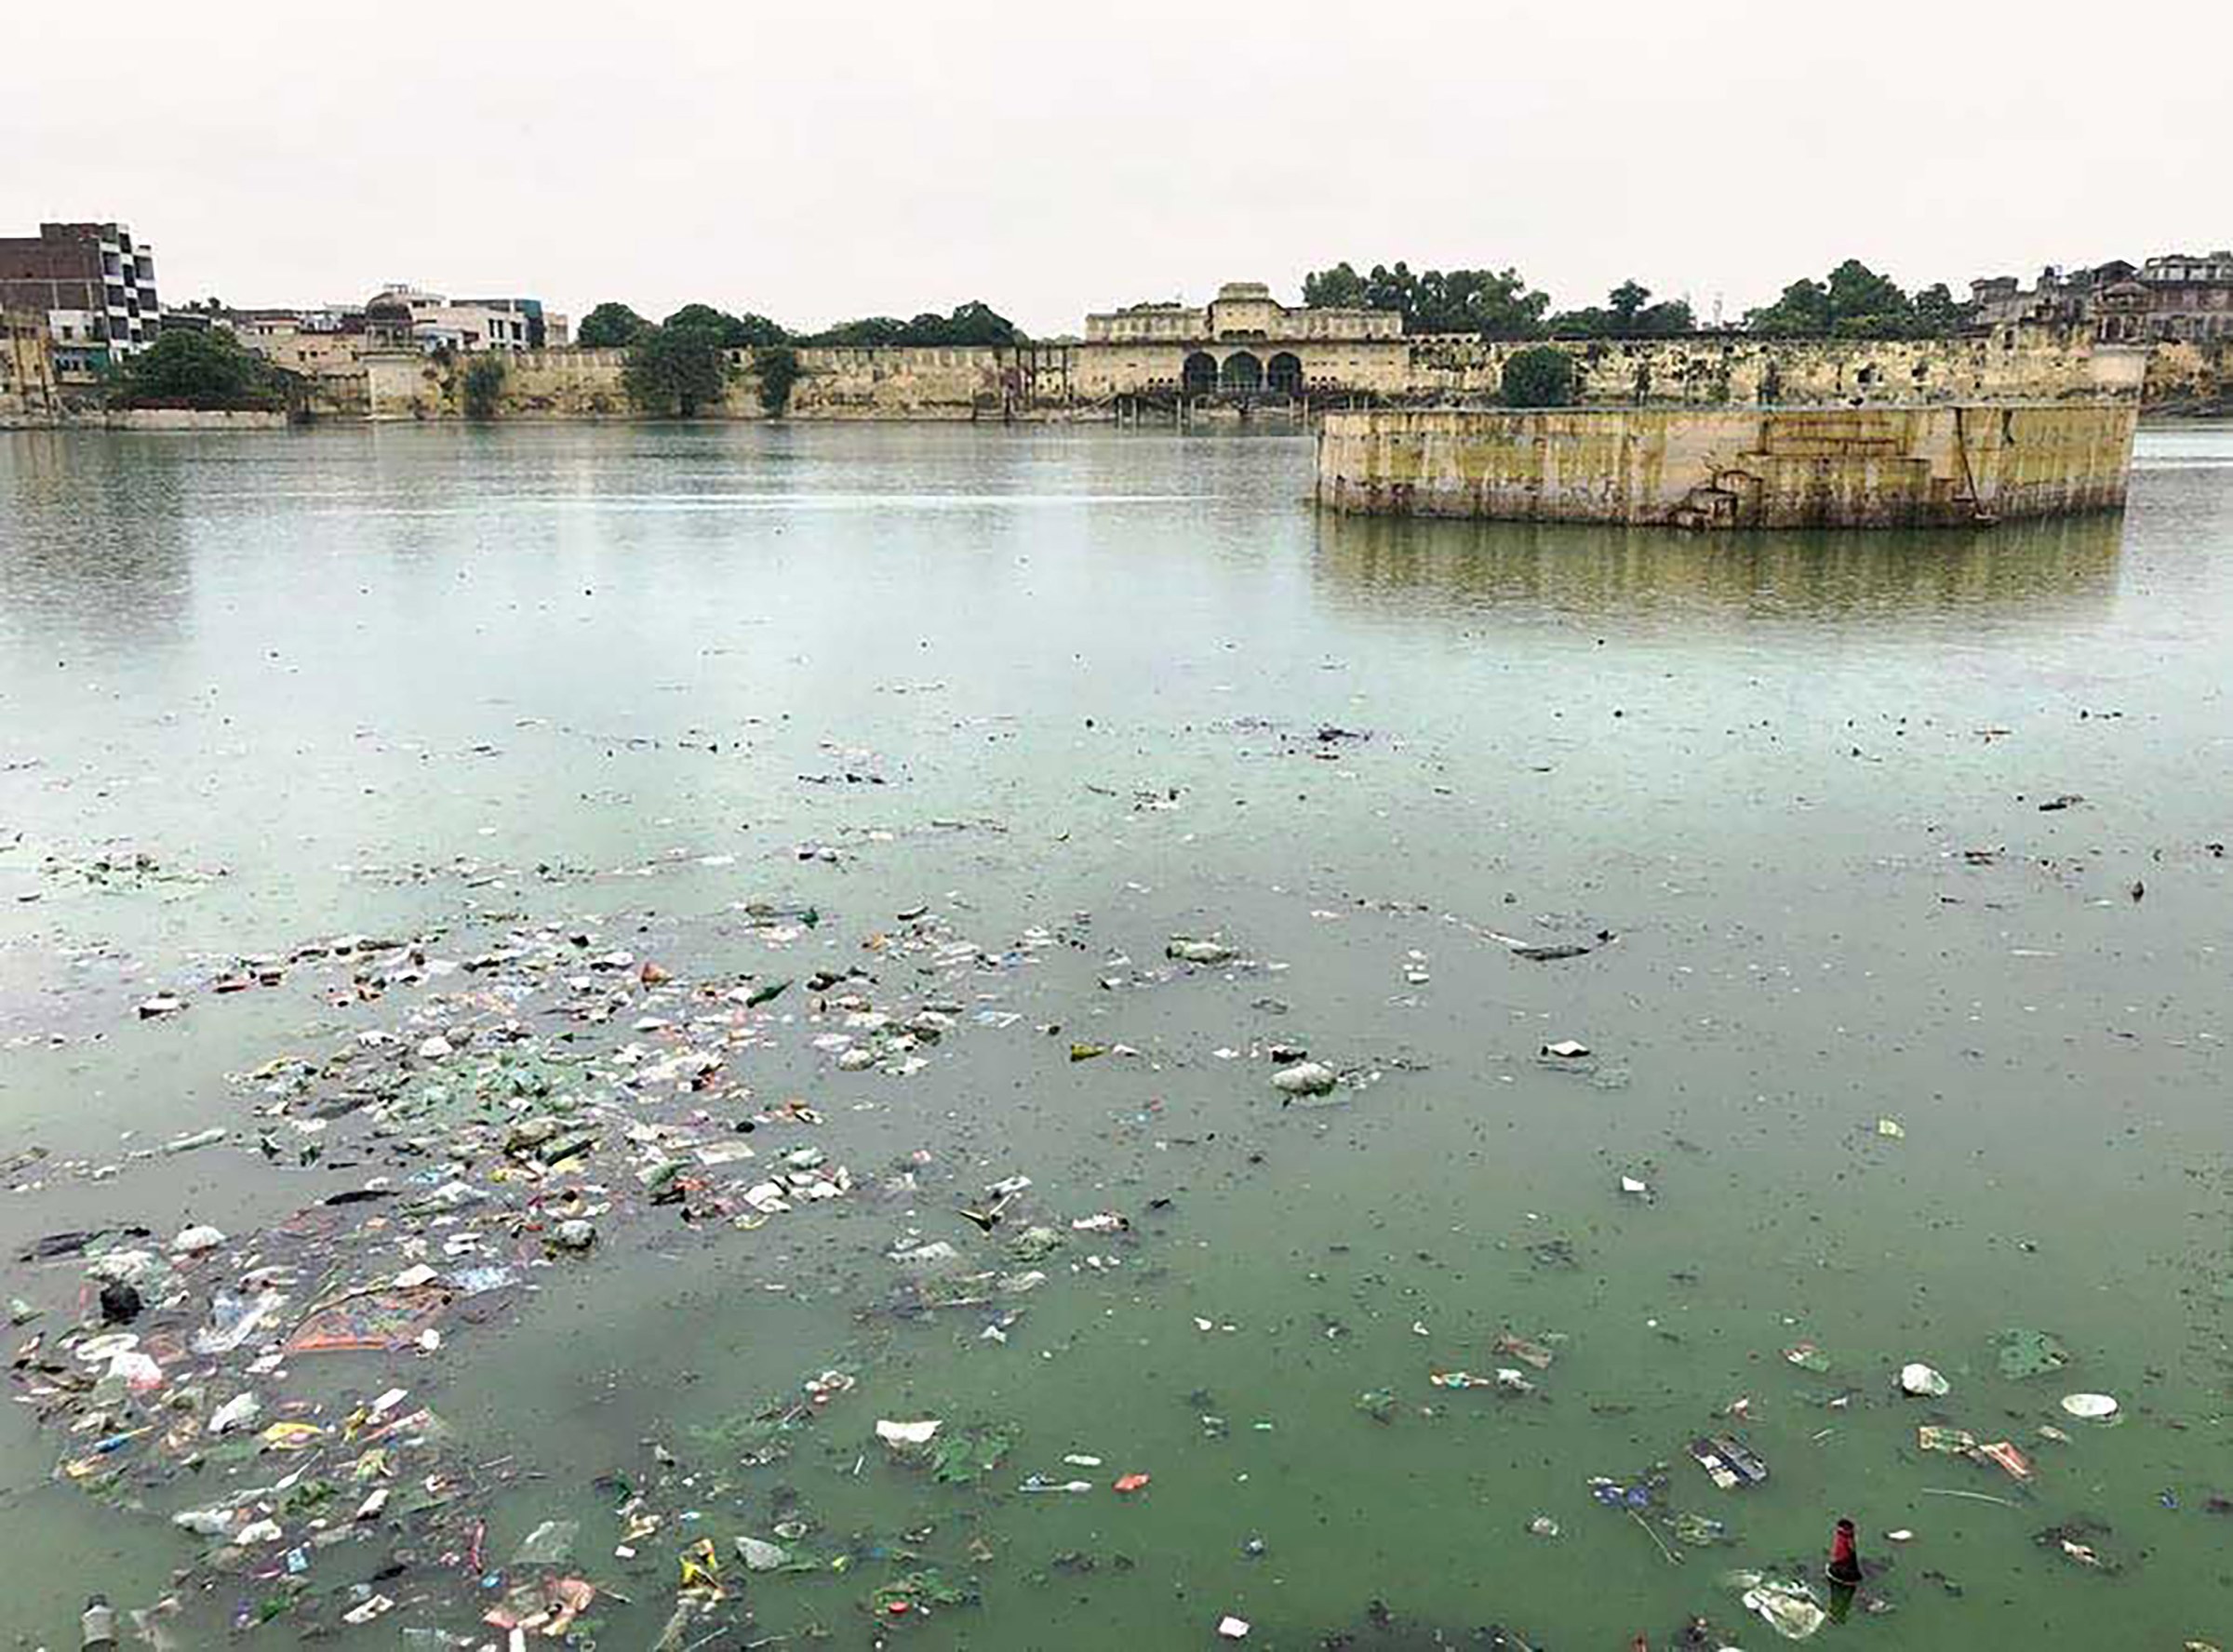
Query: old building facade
(2189, 298)
(410, 317)
(2177, 297)
(1243, 343)
(28, 386)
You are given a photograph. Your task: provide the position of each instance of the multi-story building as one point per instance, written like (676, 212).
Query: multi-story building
(2179, 296)
(409, 317)
(1222, 346)
(92, 282)
(2189, 297)
(546, 330)
(2063, 298)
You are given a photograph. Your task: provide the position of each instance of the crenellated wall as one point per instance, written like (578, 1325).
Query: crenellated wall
(1093, 380)
(1941, 465)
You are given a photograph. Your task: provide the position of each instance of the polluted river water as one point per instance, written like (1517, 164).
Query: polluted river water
(640, 903)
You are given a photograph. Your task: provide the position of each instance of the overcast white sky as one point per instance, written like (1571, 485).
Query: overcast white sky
(833, 158)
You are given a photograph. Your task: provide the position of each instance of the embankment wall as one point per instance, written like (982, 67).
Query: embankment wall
(913, 383)
(1090, 380)
(1755, 467)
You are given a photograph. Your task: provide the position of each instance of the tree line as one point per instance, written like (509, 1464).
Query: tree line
(682, 364)
(975, 324)
(1852, 301)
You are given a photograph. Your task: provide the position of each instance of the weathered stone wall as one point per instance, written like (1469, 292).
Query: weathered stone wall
(1822, 467)
(1706, 369)
(331, 366)
(2191, 378)
(537, 384)
(30, 392)
(905, 382)
(1089, 380)
(913, 383)
(190, 418)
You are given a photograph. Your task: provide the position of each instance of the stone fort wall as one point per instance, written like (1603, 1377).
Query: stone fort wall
(1099, 381)
(1942, 465)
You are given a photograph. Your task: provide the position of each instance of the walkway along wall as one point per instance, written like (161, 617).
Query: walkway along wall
(1802, 467)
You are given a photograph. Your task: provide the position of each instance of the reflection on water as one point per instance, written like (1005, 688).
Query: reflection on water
(93, 533)
(2065, 567)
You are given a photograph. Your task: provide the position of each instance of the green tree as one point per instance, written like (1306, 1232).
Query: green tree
(1858, 293)
(865, 333)
(776, 368)
(1339, 287)
(1854, 302)
(1938, 312)
(675, 371)
(1803, 307)
(201, 368)
(736, 332)
(484, 384)
(1626, 313)
(1491, 303)
(1541, 376)
(757, 332)
(974, 324)
(610, 326)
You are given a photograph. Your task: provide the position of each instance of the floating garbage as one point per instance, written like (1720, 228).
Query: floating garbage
(1807, 1356)
(1233, 1629)
(239, 1412)
(909, 1433)
(759, 1556)
(2092, 1408)
(1525, 1350)
(1919, 1382)
(1565, 1049)
(1728, 1461)
(1788, 1606)
(385, 1318)
(2009, 1457)
(1306, 1078)
(233, 1320)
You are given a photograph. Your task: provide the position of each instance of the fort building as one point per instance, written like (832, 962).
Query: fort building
(1243, 343)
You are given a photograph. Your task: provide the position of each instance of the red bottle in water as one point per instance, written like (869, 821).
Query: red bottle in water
(1845, 1559)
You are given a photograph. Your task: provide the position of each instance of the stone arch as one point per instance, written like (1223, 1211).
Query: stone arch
(1283, 374)
(1242, 372)
(1198, 377)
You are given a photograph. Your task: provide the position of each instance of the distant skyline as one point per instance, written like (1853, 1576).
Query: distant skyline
(816, 164)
